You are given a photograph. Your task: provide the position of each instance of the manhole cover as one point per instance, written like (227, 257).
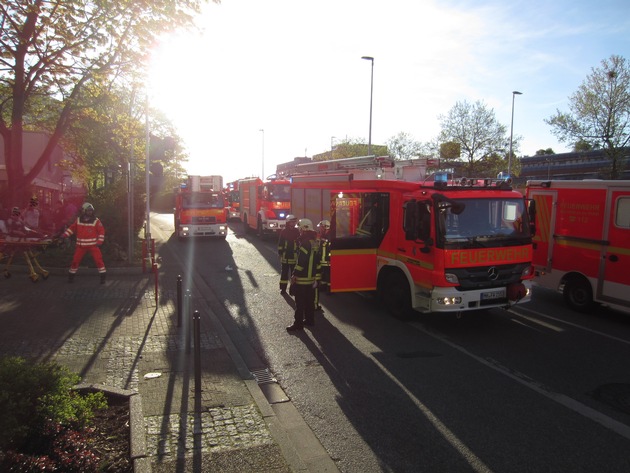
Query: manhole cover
(616, 395)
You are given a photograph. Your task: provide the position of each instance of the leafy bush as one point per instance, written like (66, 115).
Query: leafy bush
(36, 396)
(111, 207)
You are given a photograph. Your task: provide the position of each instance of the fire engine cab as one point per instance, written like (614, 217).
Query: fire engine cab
(200, 208)
(582, 242)
(264, 204)
(440, 245)
(234, 200)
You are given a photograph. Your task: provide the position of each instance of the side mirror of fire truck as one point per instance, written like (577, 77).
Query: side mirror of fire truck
(531, 210)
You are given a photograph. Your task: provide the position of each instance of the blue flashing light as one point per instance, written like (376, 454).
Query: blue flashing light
(441, 177)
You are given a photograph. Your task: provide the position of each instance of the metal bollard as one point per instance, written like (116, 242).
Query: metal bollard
(197, 338)
(157, 286)
(179, 300)
(187, 328)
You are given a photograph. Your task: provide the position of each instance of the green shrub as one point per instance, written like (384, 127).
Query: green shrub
(34, 395)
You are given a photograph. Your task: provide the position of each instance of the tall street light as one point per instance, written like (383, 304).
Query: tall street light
(331, 146)
(263, 154)
(514, 94)
(371, 59)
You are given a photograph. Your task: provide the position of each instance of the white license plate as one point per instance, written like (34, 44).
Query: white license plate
(485, 296)
(204, 229)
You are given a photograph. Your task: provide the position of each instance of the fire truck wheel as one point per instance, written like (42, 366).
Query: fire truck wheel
(578, 294)
(393, 292)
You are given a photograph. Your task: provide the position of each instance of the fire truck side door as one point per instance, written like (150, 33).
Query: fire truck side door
(359, 223)
(545, 227)
(615, 277)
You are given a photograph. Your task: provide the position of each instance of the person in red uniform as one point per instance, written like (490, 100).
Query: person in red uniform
(90, 234)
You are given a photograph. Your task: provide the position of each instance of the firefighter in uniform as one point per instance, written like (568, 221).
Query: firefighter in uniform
(287, 250)
(90, 234)
(323, 230)
(306, 276)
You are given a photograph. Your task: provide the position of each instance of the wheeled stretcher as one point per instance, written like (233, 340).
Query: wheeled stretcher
(28, 246)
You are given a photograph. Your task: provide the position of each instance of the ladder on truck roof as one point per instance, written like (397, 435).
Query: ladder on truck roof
(384, 167)
(345, 164)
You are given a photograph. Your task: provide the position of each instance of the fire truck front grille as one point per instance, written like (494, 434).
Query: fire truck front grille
(204, 220)
(484, 277)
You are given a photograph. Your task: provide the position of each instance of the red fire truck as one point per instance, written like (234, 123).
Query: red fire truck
(434, 246)
(264, 204)
(582, 242)
(234, 200)
(200, 208)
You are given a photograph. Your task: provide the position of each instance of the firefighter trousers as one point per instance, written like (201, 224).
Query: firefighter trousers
(80, 252)
(286, 270)
(304, 304)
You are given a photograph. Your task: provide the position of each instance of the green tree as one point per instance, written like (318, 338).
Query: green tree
(350, 148)
(599, 112)
(582, 146)
(62, 50)
(476, 130)
(403, 147)
(543, 152)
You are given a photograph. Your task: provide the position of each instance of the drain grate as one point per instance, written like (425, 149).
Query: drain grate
(264, 376)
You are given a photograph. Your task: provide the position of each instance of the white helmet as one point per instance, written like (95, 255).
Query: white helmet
(324, 224)
(291, 217)
(305, 224)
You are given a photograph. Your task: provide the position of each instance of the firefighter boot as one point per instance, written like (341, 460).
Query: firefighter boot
(70, 277)
(103, 276)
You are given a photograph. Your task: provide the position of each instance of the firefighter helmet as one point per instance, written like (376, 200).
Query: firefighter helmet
(34, 202)
(87, 207)
(291, 217)
(305, 224)
(15, 211)
(324, 224)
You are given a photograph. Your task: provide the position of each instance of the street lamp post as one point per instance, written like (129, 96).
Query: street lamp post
(371, 59)
(514, 93)
(263, 154)
(331, 146)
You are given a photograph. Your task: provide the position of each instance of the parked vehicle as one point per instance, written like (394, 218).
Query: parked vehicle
(441, 245)
(582, 242)
(264, 204)
(234, 200)
(200, 208)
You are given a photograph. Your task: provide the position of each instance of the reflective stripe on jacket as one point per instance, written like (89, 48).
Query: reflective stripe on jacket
(88, 233)
(308, 267)
(287, 245)
(324, 252)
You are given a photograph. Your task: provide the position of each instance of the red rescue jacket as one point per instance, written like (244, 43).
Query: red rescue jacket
(91, 233)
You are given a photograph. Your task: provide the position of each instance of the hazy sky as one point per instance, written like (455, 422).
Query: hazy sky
(293, 68)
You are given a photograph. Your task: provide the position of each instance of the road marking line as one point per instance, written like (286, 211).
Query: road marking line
(566, 401)
(596, 332)
(473, 460)
(555, 328)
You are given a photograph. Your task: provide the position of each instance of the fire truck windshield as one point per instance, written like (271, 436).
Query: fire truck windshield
(483, 222)
(199, 200)
(279, 192)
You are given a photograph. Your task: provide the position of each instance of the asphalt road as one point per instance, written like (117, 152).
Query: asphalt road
(538, 388)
